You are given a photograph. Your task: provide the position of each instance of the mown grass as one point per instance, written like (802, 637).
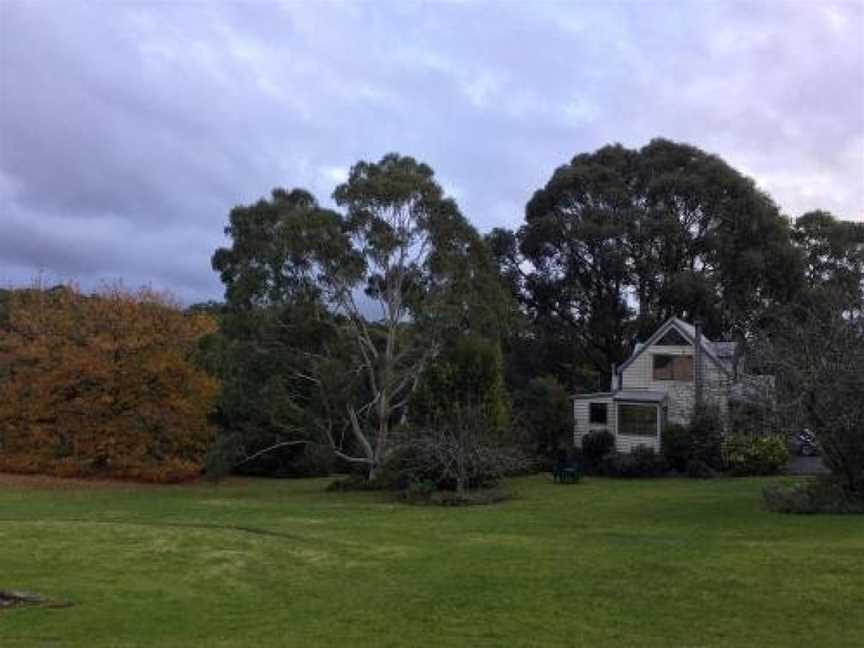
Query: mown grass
(602, 563)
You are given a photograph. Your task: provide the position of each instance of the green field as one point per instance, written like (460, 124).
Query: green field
(255, 562)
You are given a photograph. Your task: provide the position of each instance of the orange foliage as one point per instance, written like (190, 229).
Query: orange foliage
(103, 385)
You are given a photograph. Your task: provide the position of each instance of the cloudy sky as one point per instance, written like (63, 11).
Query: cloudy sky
(128, 130)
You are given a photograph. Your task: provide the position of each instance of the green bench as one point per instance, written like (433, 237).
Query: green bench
(566, 474)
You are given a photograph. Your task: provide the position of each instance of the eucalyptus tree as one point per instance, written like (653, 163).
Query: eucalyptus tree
(424, 273)
(390, 277)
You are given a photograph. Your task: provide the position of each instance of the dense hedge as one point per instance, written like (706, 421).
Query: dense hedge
(103, 385)
(747, 454)
(595, 446)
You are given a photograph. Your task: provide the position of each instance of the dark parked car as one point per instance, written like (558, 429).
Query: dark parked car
(804, 444)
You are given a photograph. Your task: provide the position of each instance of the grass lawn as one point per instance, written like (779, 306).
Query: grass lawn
(256, 562)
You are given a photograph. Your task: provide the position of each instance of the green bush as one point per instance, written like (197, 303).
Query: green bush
(647, 462)
(595, 446)
(698, 469)
(756, 455)
(543, 419)
(419, 492)
(355, 481)
(642, 461)
(469, 372)
(822, 495)
(616, 465)
(460, 449)
(677, 446)
(452, 498)
(706, 436)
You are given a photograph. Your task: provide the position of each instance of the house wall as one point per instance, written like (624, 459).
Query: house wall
(626, 443)
(682, 395)
(582, 425)
(581, 418)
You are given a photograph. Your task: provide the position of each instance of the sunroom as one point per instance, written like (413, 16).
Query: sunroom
(634, 417)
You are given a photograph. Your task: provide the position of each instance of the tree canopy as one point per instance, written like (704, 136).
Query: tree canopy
(834, 257)
(619, 240)
(105, 384)
(399, 269)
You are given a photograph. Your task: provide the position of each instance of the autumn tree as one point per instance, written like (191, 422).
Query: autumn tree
(103, 384)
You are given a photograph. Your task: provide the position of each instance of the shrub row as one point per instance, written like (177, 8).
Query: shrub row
(698, 450)
(822, 495)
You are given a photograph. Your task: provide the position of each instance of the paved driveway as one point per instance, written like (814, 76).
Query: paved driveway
(806, 466)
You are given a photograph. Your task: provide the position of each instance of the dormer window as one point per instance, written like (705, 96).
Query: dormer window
(673, 367)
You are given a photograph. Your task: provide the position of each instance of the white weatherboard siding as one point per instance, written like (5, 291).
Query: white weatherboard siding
(636, 384)
(675, 399)
(581, 416)
(583, 425)
(682, 395)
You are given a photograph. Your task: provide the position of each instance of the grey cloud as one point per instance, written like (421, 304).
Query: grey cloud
(127, 131)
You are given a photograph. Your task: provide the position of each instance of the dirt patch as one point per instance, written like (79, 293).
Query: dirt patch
(20, 598)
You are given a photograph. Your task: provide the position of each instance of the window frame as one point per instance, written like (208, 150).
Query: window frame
(591, 421)
(655, 424)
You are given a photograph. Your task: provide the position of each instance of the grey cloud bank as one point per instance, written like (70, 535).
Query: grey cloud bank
(127, 131)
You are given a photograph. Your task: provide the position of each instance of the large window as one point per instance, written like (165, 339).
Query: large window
(673, 367)
(637, 420)
(598, 413)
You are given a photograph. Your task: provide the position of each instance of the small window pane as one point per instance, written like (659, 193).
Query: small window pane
(682, 368)
(678, 367)
(662, 367)
(599, 413)
(637, 420)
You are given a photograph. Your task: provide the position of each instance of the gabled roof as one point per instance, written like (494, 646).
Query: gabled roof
(689, 333)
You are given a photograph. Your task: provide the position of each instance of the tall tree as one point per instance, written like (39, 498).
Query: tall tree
(620, 239)
(834, 255)
(411, 252)
(276, 244)
(397, 272)
(574, 237)
(278, 339)
(707, 243)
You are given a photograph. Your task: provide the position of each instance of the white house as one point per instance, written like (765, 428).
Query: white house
(658, 383)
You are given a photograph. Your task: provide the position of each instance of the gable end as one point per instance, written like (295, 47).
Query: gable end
(672, 324)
